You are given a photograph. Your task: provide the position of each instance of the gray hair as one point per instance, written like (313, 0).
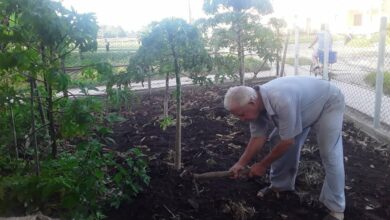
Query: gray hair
(239, 96)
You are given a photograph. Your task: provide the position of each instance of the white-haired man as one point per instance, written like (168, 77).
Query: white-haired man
(293, 105)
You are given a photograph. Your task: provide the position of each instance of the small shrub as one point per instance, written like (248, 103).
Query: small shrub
(254, 65)
(302, 61)
(76, 185)
(371, 80)
(166, 122)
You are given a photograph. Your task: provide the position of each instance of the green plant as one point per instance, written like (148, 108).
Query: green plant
(77, 185)
(166, 122)
(79, 117)
(371, 80)
(122, 97)
(255, 65)
(302, 61)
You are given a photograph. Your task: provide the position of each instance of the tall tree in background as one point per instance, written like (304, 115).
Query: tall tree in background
(234, 22)
(277, 25)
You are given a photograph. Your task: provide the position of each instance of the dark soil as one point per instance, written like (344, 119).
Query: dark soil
(213, 141)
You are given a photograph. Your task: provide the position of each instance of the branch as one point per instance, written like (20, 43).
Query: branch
(65, 54)
(219, 174)
(73, 95)
(35, 131)
(30, 77)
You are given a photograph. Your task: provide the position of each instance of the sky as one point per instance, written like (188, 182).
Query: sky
(133, 15)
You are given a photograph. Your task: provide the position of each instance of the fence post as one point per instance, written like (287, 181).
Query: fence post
(325, 73)
(380, 72)
(296, 60)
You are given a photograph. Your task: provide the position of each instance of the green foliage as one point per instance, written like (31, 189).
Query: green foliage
(108, 31)
(359, 42)
(79, 117)
(213, 6)
(36, 39)
(166, 122)
(255, 65)
(78, 185)
(225, 67)
(174, 39)
(122, 97)
(235, 26)
(88, 58)
(9, 100)
(371, 80)
(302, 61)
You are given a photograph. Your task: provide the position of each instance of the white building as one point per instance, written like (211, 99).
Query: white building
(342, 16)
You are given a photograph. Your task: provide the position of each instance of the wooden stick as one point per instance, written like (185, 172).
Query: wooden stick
(219, 174)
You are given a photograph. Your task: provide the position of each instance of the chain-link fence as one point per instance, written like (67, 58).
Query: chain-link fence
(353, 69)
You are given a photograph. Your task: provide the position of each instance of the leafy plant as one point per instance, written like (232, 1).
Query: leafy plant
(77, 185)
(166, 122)
(234, 25)
(371, 80)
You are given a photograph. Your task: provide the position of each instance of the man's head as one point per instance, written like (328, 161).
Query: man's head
(243, 102)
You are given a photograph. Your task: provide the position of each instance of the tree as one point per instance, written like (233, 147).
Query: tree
(234, 23)
(37, 38)
(277, 24)
(107, 31)
(177, 46)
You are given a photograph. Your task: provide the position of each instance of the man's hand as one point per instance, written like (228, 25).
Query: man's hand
(258, 169)
(236, 169)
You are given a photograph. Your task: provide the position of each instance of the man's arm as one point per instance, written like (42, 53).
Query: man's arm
(255, 144)
(259, 169)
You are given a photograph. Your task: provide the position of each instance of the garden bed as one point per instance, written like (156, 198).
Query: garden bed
(213, 140)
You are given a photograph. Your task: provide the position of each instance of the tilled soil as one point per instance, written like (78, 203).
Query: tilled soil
(213, 140)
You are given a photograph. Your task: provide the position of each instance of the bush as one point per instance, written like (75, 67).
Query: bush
(302, 61)
(254, 65)
(371, 80)
(76, 185)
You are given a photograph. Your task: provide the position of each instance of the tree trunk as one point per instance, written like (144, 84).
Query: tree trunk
(36, 152)
(178, 112)
(50, 117)
(65, 90)
(261, 67)
(5, 23)
(150, 85)
(277, 55)
(49, 101)
(240, 53)
(277, 62)
(40, 105)
(166, 95)
(14, 132)
(284, 54)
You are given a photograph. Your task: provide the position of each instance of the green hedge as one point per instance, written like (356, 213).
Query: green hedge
(371, 80)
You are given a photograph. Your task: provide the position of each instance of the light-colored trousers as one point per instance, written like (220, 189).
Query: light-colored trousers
(328, 129)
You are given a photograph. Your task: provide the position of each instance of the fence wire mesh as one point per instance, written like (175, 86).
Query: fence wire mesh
(354, 71)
